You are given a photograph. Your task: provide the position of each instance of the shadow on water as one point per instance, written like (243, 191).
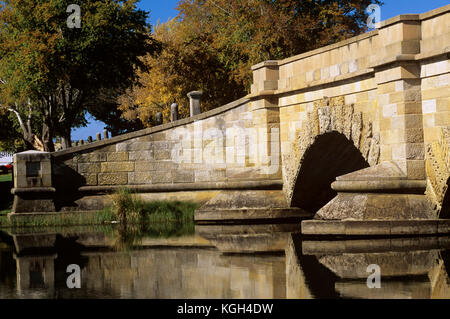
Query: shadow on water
(319, 279)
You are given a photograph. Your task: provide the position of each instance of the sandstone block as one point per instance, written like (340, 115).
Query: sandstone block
(112, 178)
(117, 167)
(141, 155)
(88, 168)
(117, 157)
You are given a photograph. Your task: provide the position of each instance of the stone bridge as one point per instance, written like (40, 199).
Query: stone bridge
(353, 132)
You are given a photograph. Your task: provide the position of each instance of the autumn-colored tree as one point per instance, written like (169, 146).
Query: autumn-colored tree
(50, 70)
(246, 32)
(187, 62)
(212, 44)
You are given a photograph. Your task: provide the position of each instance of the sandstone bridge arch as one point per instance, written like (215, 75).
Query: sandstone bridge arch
(336, 140)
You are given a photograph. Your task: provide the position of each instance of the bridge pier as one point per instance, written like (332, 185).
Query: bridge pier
(33, 189)
(389, 198)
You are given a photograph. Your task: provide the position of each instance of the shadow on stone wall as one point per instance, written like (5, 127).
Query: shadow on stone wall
(66, 181)
(445, 211)
(331, 155)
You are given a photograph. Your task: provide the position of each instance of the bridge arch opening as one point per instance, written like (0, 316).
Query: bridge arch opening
(445, 209)
(331, 155)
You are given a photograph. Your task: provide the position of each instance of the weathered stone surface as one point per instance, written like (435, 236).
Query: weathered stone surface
(140, 178)
(117, 157)
(117, 167)
(89, 168)
(162, 177)
(91, 157)
(438, 171)
(144, 166)
(374, 154)
(162, 154)
(183, 177)
(324, 119)
(112, 179)
(91, 179)
(141, 155)
(348, 117)
(357, 127)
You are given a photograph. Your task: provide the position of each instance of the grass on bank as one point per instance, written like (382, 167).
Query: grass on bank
(130, 209)
(165, 217)
(6, 178)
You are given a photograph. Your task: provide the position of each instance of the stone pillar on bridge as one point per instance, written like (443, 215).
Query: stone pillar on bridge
(266, 118)
(174, 112)
(33, 190)
(194, 102)
(159, 118)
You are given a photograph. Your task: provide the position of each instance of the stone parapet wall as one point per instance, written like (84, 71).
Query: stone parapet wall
(232, 144)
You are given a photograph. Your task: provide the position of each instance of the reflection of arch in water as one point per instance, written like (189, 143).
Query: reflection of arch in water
(334, 140)
(306, 277)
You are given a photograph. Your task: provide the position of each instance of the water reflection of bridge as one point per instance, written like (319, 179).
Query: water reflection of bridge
(256, 261)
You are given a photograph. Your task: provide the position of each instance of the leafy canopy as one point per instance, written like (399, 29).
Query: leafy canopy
(58, 69)
(212, 44)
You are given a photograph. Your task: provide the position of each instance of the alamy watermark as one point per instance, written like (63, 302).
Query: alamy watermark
(233, 145)
(374, 19)
(74, 20)
(74, 279)
(374, 280)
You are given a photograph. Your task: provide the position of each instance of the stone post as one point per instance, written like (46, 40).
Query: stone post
(174, 112)
(89, 139)
(265, 77)
(159, 118)
(99, 137)
(105, 134)
(194, 102)
(33, 191)
(81, 142)
(400, 98)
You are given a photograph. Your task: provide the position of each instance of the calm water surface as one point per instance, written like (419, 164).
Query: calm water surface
(252, 261)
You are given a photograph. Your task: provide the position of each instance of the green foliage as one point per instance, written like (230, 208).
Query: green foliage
(63, 219)
(129, 209)
(211, 46)
(56, 70)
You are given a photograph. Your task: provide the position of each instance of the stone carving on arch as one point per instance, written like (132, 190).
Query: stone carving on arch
(330, 115)
(438, 172)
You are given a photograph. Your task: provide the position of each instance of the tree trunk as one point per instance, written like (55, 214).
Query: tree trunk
(29, 142)
(47, 138)
(66, 139)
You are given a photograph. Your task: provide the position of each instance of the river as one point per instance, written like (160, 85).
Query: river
(215, 262)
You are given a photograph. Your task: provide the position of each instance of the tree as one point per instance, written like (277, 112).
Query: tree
(212, 44)
(187, 62)
(49, 71)
(10, 137)
(247, 32)
(105, 108)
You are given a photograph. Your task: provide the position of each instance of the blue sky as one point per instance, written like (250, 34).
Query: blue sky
(164, 9)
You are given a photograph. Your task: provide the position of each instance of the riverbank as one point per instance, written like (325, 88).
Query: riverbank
(127, 209)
